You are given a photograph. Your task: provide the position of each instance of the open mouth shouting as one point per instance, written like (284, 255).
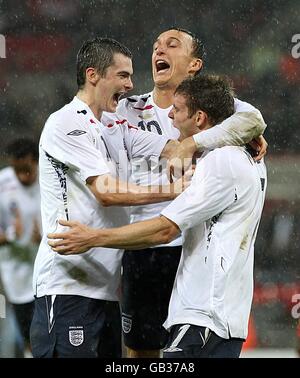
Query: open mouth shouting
(116, 97)
(161, 66)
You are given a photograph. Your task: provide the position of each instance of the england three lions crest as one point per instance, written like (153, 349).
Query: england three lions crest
(76, 335)
(126, 323)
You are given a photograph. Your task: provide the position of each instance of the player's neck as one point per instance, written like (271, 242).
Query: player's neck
(163, 97)
(89, 99)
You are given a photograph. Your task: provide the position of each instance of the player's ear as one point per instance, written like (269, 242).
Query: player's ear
(201, 118)
(196, 65)
(92, 76)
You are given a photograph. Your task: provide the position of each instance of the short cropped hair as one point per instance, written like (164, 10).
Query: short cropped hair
(197, 45)
(210, 93)
(99, 54)
(21, 148)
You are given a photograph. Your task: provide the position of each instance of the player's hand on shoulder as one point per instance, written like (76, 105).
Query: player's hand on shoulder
(181, 159)
(260, 147)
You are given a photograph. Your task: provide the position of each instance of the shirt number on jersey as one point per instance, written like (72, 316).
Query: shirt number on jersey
(150, 126)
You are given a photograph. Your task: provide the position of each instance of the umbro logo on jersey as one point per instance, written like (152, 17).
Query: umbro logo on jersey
(76, 132)
(82, 111)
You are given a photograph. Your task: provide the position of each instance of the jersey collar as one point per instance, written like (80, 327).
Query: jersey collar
(81, 105)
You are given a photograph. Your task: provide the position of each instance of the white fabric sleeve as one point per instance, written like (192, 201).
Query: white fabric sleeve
(240, 128)
(212, 190)
(144, 143)
(77, 152)
(138, 143)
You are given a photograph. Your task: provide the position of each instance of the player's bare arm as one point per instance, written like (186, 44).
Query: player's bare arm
(241, 128)
(111, 191)
(81, 238)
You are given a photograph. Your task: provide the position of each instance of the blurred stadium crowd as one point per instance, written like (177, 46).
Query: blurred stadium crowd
(250, 41)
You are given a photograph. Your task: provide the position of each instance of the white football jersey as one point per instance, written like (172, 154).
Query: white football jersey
(142, 112)
(17, 258)
(219, 215)
(74, 146)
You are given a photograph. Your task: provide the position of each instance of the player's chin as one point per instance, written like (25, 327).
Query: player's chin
(161, 80)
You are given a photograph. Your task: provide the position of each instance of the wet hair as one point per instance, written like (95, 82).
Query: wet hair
(99, 54)
(210, 93)
(21, 148)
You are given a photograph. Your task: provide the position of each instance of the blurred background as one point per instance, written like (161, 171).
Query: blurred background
(250, 41)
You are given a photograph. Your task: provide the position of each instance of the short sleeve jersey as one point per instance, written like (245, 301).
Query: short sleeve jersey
(74, 146)
(219, 216)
